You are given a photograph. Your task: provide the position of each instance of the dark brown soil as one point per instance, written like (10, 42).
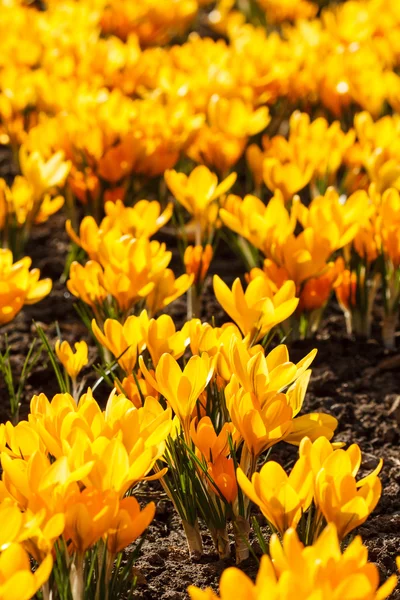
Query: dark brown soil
(357, 382)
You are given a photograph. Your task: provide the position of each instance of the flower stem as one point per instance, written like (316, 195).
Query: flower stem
(389, 330)
(221, 541)
(193, 303)
(241, 530)
(76, 577)
(193, 537)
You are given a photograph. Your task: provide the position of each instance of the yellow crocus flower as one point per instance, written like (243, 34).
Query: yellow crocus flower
(86, 283)
(128, 524)
(287, 177)
(258, 309)
(73, 362)
(143, 219)
(197, 260)
(123, 340)
(207, 442)
(263, 375)
(16, 577)
(88, 516)
(180, 388)
(281, 498)
(162, 337)
(43, 175)
(320, 571)
(198, 190)
(167, 288)
(342, 499)
(19, 286)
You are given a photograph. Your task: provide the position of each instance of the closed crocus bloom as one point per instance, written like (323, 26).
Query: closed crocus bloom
(73, 362)
(255, 159)
(281, 498)
(317, 290)
(198, 190)
(162, 337)
(180, 388)
(136, 389)
(16, 577)
(85, 186)
(345, 286)
(216, 149)
(197, 260)
(222, 473)
(388, 225)
(43, 175)
(207, 442)
(17, 201)
(257, 310)
(117, 162)
(128, 524)
(391, 244)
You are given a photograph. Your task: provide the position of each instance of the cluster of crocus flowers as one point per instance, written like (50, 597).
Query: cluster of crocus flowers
(221, 141)
(125, 269)
(301, 258)
(313, 153)
(263, 398)
(31, 198)
(131, 110)
(143, 109)
(155, 23)
(19, 285)
(293, 570)
(323, 475)
(347, 244)
(54, 493)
